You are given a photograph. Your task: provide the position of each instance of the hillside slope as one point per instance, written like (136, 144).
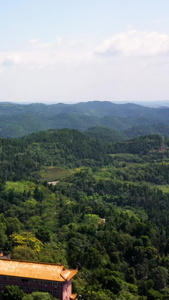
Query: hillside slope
(92, 204)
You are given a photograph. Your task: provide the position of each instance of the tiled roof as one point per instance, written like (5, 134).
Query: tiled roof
(35, 270)
(73, 297)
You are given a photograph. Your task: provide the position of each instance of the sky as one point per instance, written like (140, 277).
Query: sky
(73, 51)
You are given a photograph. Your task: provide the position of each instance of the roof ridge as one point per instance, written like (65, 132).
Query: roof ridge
(61, 273)
(33, 262)
(37, 270)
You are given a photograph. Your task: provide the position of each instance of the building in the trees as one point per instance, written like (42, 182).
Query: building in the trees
(32, 276)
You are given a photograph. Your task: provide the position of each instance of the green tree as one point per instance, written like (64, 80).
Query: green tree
(24, 252)
(154, 295)
(131, 275)
(12, 225)
(12, 292)
(160, 277)
(43, 234)
(38, 296)
(3, 237)
(113, 284)
(38, 194)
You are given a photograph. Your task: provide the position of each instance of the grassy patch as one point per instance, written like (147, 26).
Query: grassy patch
(55, 173)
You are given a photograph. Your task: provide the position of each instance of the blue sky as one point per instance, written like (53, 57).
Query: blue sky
(75, 50)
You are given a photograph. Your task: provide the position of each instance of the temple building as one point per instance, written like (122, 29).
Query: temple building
(34, 276)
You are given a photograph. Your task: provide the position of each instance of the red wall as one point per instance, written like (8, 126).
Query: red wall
(60, 290)
(67, 290)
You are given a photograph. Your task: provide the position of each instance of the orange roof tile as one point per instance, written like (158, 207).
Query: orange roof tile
(35, 270)
(73, 297)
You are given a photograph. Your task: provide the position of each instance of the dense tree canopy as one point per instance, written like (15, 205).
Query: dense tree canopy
(97, 206)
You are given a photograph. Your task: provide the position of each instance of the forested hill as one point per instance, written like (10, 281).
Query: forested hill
(100, 206)
(17, 120)
(67, 148)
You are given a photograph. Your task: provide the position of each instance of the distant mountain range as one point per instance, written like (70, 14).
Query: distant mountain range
(96, 118)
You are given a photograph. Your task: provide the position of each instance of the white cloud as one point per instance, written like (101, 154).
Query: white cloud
(75, 51)
(69, 50)
(33, 41)
(10, 59)
(135, 44)
(132, 65)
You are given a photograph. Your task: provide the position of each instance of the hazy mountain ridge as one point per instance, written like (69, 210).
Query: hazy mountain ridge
(17, 120)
